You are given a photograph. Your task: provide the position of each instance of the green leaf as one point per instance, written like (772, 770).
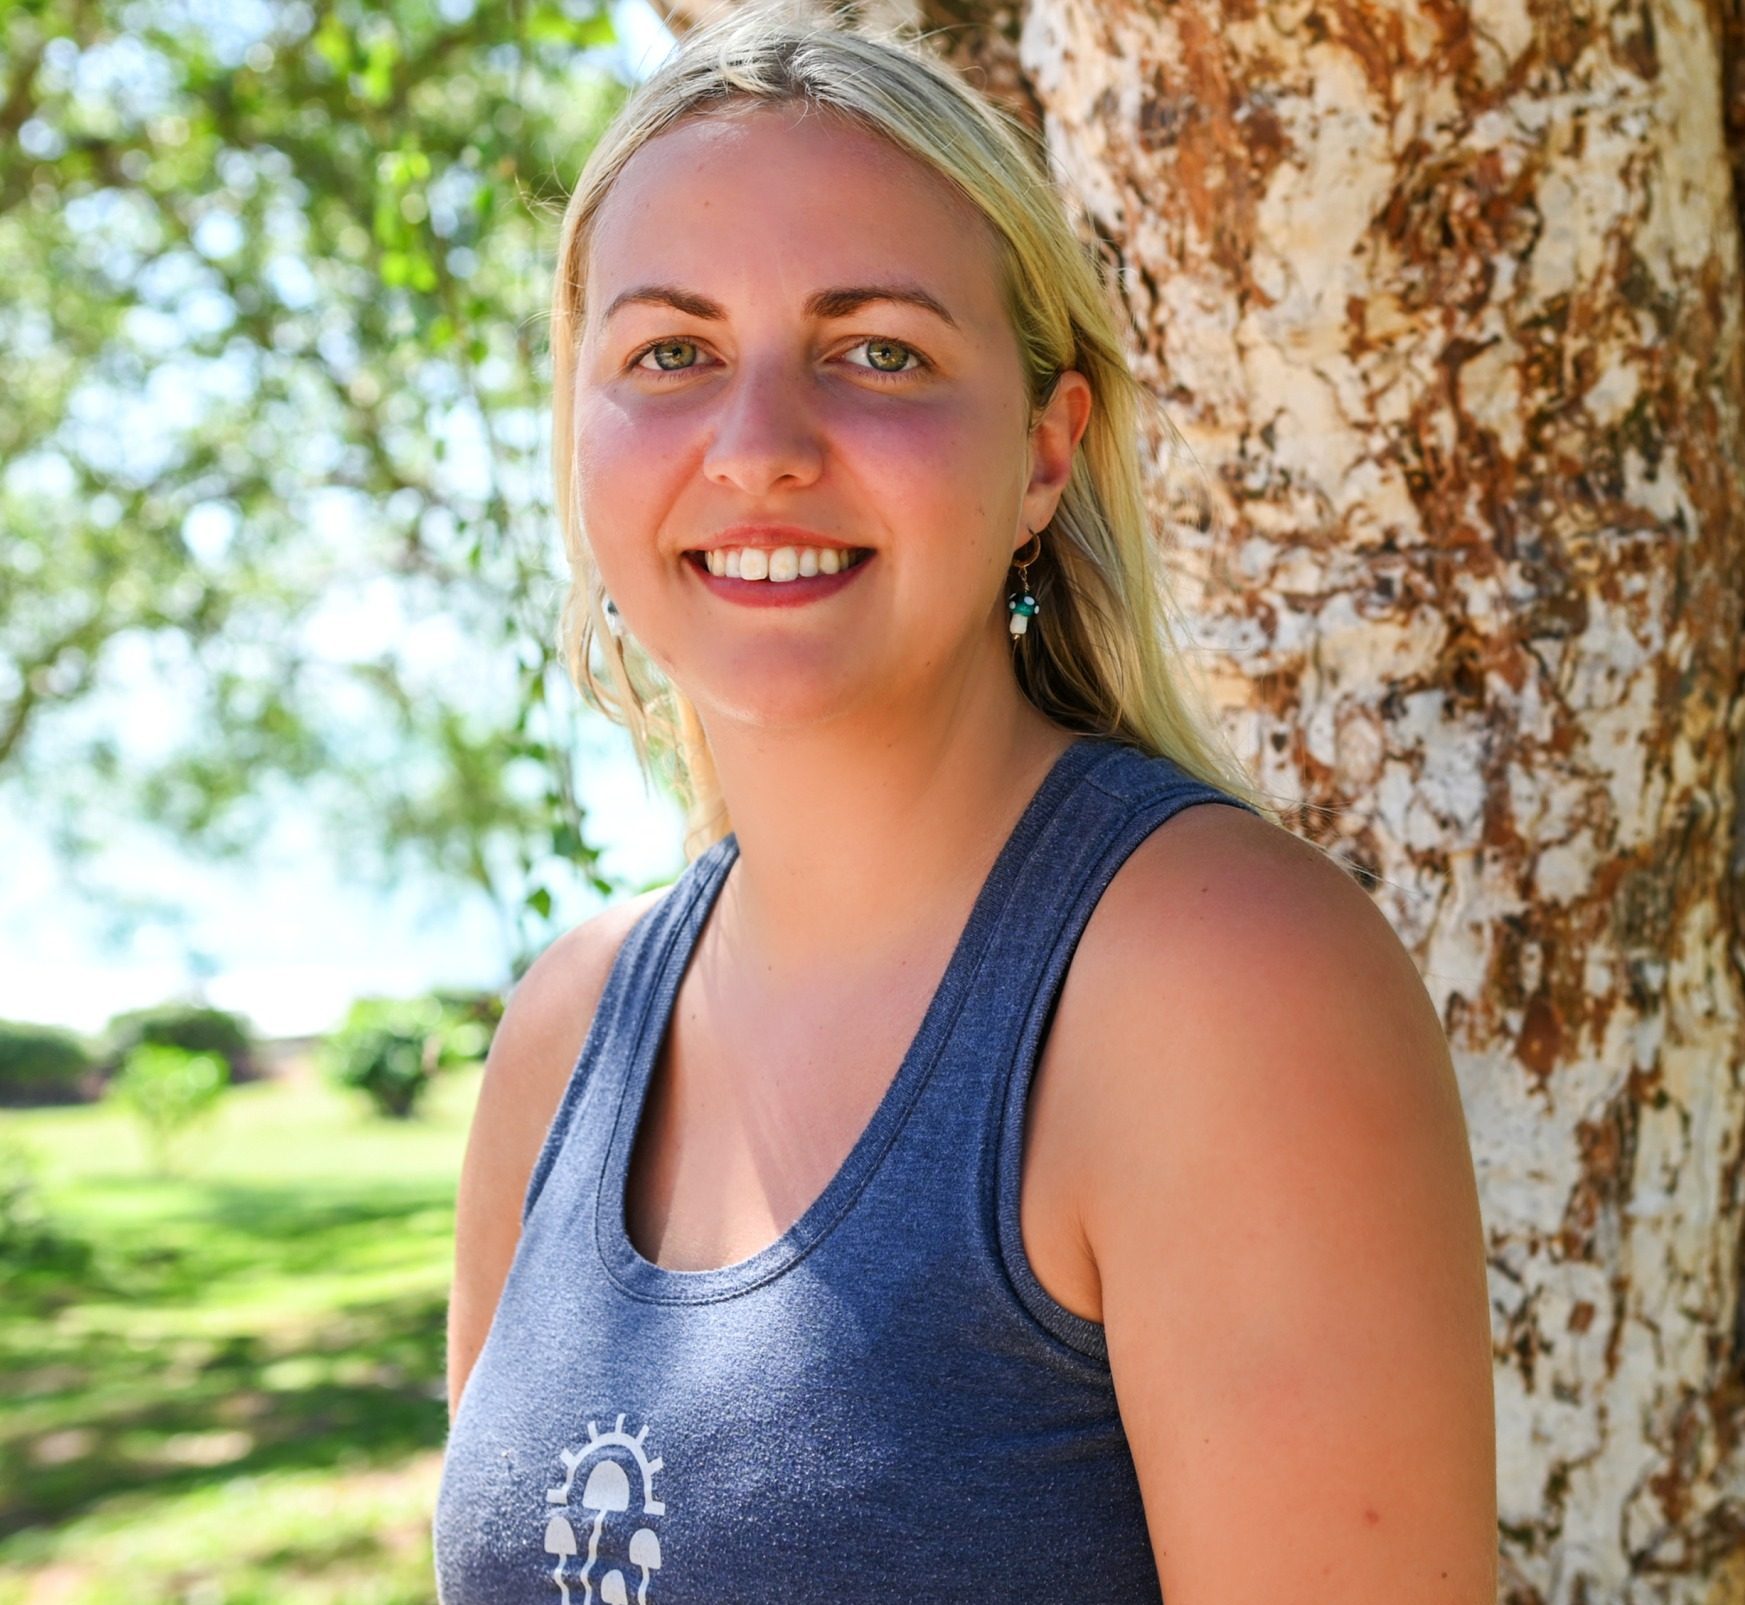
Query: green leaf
(333, 44)
(390, 226)
(596, 30)
(552, 24)
(376, 82)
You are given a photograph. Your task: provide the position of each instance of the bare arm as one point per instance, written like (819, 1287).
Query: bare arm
(1286, 1225)
(537, 1043)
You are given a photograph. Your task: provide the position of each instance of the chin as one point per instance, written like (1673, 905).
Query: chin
(787, 699)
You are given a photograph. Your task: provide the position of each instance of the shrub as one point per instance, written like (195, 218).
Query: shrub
(22, 1221)
(30, 1239)
(484, 1006)
(192, 1027)
(42, 1064)
(390, 1048)
(170, 1090)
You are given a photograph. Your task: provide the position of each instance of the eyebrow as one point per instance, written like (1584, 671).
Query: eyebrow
(823, 304)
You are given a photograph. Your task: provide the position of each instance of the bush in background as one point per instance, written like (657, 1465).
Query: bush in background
(42, 1064)
(193, 1027)
(391, 1048)
(32, 1242)
(170, 1091)
(483, 1007)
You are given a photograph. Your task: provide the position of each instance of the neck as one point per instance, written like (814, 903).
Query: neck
(860, 839)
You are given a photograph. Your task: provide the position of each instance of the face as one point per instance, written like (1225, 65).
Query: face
(897, 426)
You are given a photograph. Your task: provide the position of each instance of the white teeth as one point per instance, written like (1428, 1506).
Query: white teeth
(782, 564)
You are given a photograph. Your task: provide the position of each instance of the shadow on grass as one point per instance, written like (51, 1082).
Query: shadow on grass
(260, 1331)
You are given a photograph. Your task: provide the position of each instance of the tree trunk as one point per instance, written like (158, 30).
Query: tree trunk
(1446, 301)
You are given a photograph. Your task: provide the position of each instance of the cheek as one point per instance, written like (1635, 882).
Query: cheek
(609, 425)
(624, 468)
(941, 485)
(932, 471)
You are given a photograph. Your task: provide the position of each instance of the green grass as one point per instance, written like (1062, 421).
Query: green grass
(227, 1387)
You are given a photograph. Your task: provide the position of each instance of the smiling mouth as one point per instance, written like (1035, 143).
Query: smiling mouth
(852, 558)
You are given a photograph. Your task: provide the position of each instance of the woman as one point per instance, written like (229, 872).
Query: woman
(986, 1174)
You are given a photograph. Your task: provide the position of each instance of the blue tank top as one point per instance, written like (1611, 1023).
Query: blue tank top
(883, 1404)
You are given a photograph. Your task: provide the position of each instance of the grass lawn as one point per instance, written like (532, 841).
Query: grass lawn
(233, 1395)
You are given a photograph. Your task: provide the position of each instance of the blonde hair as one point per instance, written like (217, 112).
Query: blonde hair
(1103, 656)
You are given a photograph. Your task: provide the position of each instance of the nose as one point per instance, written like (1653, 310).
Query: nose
(765, 435)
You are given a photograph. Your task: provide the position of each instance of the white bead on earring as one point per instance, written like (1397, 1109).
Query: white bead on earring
(614, 619)
(1023, 606)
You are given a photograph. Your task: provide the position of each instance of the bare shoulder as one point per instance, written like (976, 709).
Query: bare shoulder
(533, 1053)
(1285, 1224)
(1217, 916)
(1218, 872)
(1221, 922)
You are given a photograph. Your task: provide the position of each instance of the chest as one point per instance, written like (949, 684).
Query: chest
(749, 1115)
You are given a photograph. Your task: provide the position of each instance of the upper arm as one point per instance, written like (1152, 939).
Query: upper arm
(1288, 1236)
(533, 1052)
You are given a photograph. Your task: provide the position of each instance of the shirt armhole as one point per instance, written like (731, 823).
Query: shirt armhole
(556, 1133)
(1082, 1336)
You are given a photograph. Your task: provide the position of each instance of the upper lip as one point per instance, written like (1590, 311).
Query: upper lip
(771, 536)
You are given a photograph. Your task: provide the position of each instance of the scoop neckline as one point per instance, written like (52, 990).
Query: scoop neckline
(622, 1260)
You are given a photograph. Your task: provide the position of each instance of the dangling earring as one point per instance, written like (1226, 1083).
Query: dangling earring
(614, 619)
(1023, 606)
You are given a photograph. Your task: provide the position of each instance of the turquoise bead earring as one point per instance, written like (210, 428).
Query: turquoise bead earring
(1023, 606)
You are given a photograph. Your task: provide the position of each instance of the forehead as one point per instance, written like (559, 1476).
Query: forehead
(778, 201)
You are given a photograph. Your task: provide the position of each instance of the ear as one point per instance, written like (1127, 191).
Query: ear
(1054, 438)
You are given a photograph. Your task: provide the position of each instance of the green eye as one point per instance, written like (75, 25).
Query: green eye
(903, 354)
(877, 367)
(658, 347)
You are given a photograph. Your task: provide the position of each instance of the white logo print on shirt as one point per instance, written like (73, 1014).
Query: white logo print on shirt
(606, 1493)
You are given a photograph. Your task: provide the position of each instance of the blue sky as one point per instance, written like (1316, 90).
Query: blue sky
(285, 939)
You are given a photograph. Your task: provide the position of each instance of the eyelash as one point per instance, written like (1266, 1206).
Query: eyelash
(922, 364)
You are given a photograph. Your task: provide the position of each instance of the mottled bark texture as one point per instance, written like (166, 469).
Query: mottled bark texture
(1446, 300)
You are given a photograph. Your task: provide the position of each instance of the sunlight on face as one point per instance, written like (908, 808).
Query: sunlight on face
(893, 424)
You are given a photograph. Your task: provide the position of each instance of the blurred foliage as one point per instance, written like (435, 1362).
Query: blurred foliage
(41, 1064)
(170, 1091)
(32, 1242)
(390, 1049)
(192, 1026)
(484, 1007)
(275, 437)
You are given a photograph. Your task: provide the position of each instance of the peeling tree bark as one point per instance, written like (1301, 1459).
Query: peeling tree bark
(1446, 300)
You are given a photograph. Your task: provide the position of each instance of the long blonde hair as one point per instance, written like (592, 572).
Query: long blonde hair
(1103, 657)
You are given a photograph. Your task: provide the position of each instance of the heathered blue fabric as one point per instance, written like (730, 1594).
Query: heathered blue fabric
(882, 1405)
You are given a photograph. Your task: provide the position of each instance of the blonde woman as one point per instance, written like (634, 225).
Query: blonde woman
(1006, 1165)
